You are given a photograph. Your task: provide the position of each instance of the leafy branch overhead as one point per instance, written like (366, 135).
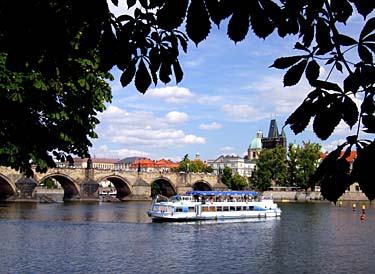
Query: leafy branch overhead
(55, 72)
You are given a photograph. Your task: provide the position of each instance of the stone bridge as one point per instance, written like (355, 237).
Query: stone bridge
(83, 184)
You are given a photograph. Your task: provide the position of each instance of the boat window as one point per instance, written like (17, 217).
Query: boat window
(244, 208)
(212, 208)
(232, 208)
(239, 208)
(178, 209)
(204, 208)
(225, 208)
(251, 207)
(191, 209)
(219, 208)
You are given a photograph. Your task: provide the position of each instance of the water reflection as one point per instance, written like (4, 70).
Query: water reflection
(120, 238)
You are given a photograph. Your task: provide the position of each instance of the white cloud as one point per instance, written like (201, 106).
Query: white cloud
(227, 148)
(171, 94)
(141, 129)
(212, 126)
(243, 112)
(177, 117)
(104, 152)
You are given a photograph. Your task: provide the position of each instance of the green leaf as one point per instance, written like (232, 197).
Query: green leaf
(198, 24)
(286, 62)
(294, 74)
(142, 78)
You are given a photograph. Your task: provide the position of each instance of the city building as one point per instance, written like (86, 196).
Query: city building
(274, 137)
(124, 164)
(255, 147)
(238, 165)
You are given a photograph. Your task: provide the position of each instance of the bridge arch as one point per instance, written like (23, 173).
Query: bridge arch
(202, 185)
(163, 186)
(70, 186)
(7, 189)
(122, 185)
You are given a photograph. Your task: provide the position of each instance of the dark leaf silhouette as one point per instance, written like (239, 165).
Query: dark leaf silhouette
(332, 175)
(327, 118)
(179, 74)
(260, 23)
(312, 71)
(294, 74)
(345, 40)
(365, 54)
(349, 111)
(172, 14)
(213, 8)
(368, 123)
(198, 24)
(364, 7)
(341, 9)
(300, 118)
(363, 170)
(238, 25)
(142, 78)
(367, 28)
(323, 37)
(128, 74)
(286, 62)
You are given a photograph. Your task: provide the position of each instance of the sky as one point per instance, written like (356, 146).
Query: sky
(228, 93)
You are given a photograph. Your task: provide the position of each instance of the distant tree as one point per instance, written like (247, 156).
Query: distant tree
(271, 168)
(302, 163)
(239, 182)
(226, 177)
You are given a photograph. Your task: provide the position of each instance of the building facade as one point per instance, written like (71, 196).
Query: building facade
(238, 165)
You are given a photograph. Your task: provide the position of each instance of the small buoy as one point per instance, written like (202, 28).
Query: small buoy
(363, 216)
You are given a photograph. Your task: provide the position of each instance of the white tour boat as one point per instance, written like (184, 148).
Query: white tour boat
(212, 205)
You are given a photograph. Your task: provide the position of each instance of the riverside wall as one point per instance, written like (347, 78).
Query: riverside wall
(306, 196)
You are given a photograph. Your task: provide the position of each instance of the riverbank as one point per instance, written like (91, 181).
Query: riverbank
(308, 196)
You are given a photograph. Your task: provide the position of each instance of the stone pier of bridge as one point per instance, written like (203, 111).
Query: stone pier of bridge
(84, 184)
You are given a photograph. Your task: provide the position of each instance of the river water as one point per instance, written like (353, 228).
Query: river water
(119, 238)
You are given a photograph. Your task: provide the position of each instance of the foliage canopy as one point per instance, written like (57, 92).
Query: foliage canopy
(53, 71)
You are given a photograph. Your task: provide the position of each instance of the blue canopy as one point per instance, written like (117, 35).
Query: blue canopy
(221, 193)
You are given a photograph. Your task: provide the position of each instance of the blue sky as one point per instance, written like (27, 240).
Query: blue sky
(227, 94)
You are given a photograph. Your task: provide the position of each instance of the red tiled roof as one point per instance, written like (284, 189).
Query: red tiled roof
(350, 158)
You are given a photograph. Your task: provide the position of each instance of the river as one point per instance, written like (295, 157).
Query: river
(119, 238)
